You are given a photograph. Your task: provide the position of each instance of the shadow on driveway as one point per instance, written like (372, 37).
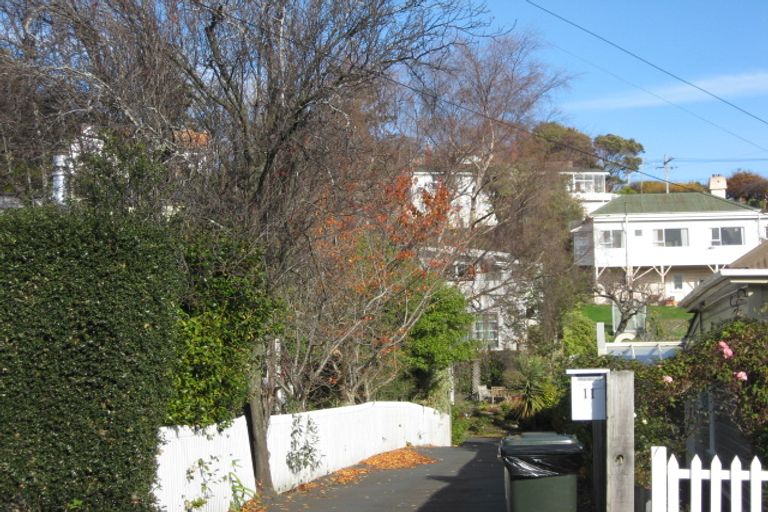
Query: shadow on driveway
(477, 486)
(464, 479)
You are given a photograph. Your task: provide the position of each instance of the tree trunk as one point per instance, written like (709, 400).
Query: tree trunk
(258, 422)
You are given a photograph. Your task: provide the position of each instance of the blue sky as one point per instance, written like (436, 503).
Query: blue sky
(721, 46)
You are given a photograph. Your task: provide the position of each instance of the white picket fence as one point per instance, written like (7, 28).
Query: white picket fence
(666, 475)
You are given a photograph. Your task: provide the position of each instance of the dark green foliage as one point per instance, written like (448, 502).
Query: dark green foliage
(226, 313)
(440, 337)
(664, 390)
(618, 155)
(492, 365)
(579, 335)
(87, 313)
(437, 341)
(530, 380)
(459, 424)
(120, 176)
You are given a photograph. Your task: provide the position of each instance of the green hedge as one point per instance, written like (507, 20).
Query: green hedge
(87, 316)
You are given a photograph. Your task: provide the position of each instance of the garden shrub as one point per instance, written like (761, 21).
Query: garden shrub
(530, 380)
(87, 316)
(459, 425)
(579, 335)
(226, 313)
(438, 340)
(731, 360)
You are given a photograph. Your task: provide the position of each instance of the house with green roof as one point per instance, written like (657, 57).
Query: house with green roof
(669, 242)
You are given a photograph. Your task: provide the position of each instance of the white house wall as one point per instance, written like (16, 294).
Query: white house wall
(465, 189)
(667, 288)
(493, 295)
(639, 249)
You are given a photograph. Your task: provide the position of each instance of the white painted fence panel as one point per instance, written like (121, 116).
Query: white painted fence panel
(666, 475)
(331, 439)
(203, 465)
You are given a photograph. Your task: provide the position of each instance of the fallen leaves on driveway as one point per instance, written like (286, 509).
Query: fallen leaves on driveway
(348, 476)
(398, 459)
(253, 505)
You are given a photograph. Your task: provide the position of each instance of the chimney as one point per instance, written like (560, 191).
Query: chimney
(718, 185)
(59, 179)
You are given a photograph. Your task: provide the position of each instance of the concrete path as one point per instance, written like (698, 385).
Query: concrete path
(468, 478)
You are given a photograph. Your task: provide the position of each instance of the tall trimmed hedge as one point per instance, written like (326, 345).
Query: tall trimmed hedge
(87, 314)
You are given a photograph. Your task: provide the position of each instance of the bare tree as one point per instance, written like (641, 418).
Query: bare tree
(267, 82)
(480, 122)
(630, 298)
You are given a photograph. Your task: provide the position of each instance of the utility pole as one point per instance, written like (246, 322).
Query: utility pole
(666, 170)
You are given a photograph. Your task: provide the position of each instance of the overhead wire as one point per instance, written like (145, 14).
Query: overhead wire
(482, 115)
(665, 100)
(649, 63)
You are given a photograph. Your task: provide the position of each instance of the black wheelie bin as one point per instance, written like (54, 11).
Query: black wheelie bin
(541, 471)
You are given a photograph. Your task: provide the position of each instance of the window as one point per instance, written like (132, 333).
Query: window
(672, 237)
(464, 271)
(586, 182)
(613, 238)
(486, 328)
(677, 281)
(638, 232)
(727, 236)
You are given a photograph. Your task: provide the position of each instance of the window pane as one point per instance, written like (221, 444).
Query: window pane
(618, 238)
(673, 237)
(731, 236)
(658, 237)
(678, 281)
(600, 183)
(715, 236)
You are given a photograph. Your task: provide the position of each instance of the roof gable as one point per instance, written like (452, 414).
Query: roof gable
(680, 202)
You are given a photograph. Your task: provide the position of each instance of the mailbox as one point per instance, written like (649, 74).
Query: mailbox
(588, 394)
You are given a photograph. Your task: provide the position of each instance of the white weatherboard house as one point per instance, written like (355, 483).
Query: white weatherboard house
(671, 242)
(483, 276)
(470, 203)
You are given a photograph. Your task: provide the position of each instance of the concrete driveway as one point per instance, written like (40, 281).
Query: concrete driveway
(468, 478)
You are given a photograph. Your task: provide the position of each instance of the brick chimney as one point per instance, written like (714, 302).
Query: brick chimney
(718, 185)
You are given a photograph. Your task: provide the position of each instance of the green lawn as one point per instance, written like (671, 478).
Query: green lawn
(675, 319)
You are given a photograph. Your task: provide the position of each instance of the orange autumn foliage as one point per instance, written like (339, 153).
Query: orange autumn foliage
(398, 459)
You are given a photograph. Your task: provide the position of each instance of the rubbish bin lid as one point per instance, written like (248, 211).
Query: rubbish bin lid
(534, 443)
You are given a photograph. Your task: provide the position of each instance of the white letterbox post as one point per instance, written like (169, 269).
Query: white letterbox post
(588, 394)
(607, 400)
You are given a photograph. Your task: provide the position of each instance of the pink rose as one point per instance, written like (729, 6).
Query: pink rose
(668, 379)
(740, 375)
(727, 352)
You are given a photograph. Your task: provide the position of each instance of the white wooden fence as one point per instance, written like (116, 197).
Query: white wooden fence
(344, 436)
(208, 468)
(667, 474)
(203, 467)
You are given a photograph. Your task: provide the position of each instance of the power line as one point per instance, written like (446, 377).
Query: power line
(661, 98)
(720, 160)
(487, 117)
(649, 63)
